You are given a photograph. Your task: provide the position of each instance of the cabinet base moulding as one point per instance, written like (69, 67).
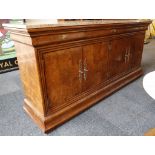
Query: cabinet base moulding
(54, 120)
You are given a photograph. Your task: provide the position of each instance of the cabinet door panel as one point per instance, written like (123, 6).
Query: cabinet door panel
(118, 62)
(62, 76)
(137, 42)
(95, 62)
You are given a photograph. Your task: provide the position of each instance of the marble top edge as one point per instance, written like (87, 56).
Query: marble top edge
(70, 23)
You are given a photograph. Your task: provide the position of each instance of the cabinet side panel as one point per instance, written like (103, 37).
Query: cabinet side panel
(30, 76)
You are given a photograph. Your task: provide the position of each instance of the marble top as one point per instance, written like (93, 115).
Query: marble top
(59, 23)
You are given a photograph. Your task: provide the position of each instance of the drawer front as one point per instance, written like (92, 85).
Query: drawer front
(49, 38)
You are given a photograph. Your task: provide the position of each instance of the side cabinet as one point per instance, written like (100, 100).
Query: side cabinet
(66, 68)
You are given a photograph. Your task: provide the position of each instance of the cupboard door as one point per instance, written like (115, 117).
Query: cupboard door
(63, 79)
(95, 62)
(119, 56)
(137, 42)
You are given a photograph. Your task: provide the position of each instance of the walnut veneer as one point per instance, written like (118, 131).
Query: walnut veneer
(66, 69)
